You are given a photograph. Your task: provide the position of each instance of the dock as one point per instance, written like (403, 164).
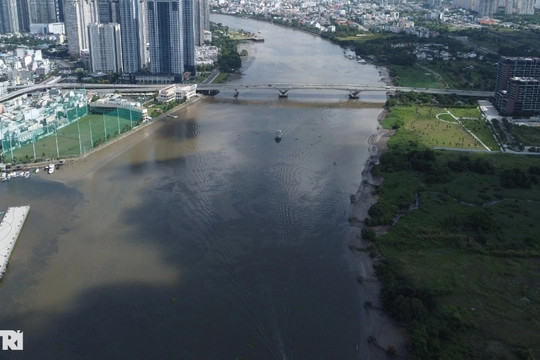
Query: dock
(10, 228)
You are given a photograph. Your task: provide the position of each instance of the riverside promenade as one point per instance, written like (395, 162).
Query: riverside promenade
(10, 228)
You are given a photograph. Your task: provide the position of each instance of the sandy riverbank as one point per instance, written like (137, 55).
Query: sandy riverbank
(383, 334)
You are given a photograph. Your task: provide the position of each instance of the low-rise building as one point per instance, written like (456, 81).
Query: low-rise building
(185, 92)
(177, 93)
(166, 94)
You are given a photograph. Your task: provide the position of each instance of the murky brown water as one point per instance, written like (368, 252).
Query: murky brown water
(204, 239)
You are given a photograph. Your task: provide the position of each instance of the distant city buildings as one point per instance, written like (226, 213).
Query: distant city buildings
(517, 90)
(156, 35)
(21, 65)
(491, 7)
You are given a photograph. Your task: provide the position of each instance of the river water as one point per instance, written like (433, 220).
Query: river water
(204, 238)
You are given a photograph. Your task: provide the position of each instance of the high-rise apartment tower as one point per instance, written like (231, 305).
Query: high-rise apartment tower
(166, 37)
(105, 47)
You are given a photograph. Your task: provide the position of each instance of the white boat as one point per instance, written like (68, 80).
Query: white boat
(50, 168)
(279, 134)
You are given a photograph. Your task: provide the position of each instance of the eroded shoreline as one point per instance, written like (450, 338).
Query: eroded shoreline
(385, 337)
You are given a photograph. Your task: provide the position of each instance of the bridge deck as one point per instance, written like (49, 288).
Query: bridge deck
(229, 86)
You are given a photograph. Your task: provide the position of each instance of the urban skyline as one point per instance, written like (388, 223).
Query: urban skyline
(138, 35)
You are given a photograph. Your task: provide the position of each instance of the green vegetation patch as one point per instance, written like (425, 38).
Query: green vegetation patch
(462, 258)
(529, 135)
(221, 78)
(414, 76)
(420, 124)
(465, 73)
(467, 112)
(447, 118)
(481, 129)
(437, 121)
(506, 42)
(364, 37)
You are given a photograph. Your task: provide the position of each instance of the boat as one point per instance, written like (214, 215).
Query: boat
(50, 168)
(279, 134)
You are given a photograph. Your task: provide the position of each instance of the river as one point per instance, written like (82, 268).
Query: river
(201, 237)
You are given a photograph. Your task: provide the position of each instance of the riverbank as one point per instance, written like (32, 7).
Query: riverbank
(386, 339)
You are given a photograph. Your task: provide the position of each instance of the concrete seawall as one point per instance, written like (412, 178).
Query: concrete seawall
(10, 228)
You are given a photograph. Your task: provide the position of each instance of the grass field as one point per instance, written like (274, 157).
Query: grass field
(76, 138)
(467, 112)
(420, 123)
(367, 37)
(414, 76)
(481, 129)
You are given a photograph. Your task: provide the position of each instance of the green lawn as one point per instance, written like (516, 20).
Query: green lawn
(473, 112)
(414, 76)
(419, 123)
(482, 130)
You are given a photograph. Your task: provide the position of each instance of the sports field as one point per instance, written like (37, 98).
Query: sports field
(76, 138)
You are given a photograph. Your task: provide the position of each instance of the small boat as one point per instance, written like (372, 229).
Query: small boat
(279, 134)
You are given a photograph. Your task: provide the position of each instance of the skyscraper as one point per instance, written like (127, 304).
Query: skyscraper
(43, 11)
(166, 37)
(23, 15)
(105, 47)
(9, 21)
(202, 20)
(134, 29)
(78, 15)
(109, 11)
(189, 34)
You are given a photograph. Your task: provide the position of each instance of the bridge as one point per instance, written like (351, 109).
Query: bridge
(353, 89)
(282, 89)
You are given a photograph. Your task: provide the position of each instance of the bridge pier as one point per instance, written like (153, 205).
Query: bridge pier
(354, 94)
(283, 93)
(236, 92)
